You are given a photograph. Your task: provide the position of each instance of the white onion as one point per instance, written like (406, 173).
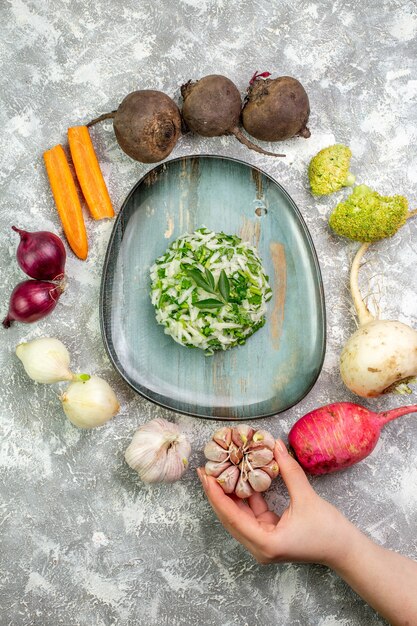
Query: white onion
(89, 403)
(46, 360)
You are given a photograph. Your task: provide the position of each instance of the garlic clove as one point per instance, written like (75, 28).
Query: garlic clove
(46, 360)
(89, 403)
(259, 480)
(229, 478)
(214, 452)
(243, 467)
(215, 469)
(243, 489)
(271, 468)
(262, 438)
(241, 435)
(159, 452)
(259, 457)
(235, 454)
(223, 437)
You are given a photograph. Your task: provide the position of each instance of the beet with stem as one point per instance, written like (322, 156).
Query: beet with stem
(276, 109)
(147, 125)
(212, 107)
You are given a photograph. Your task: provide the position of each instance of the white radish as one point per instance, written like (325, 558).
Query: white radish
(381, 353)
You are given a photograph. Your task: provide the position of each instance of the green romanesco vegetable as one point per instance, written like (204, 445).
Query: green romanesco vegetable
(329, 170)
(367, 216)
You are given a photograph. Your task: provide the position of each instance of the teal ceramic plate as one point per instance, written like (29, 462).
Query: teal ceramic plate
(280, 363)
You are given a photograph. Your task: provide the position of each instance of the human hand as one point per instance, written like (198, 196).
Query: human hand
(309, 530)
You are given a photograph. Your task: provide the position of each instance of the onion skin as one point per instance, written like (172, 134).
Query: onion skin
(89, 403)
(378, 355)
(46, 360)
(41, 255)
(31, 300)
(338, 435)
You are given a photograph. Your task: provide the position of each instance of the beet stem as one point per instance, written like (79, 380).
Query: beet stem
(100, 118)
(388, 416)
(363, 313)
(246, 142)
(259, 75)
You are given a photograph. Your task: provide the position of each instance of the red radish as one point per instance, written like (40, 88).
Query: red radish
(41, 255)
(339, 435)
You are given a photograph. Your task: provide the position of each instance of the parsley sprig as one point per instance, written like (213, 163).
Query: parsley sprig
(206, 281)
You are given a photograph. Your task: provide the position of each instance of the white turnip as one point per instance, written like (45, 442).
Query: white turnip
(381, 353)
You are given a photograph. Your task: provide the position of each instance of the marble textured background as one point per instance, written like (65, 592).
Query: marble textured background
(82, 541)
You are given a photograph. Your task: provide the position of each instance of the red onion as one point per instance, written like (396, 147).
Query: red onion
(41, 255)
(32, 300)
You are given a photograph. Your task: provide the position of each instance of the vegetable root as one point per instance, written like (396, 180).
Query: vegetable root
(147, 125)
(276, 109)
(381, 354)
(66, 200)
(336, 436)
(89, 173)
(212, 107)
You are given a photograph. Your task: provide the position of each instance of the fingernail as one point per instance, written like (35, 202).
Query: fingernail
(203, 478)
(281, 446)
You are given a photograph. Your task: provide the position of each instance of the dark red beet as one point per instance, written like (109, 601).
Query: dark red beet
(276, 109)
(147, 125)
(212, 107)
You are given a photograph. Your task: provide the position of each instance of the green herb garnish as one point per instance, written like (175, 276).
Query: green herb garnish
(207, 282)
(210, 291)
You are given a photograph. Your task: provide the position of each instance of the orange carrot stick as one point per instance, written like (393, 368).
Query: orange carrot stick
(88, 173)
(66, 200)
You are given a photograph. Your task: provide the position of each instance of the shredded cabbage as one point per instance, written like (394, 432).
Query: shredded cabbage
(177, 298)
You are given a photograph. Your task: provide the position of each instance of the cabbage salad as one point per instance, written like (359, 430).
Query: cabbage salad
(210, 290)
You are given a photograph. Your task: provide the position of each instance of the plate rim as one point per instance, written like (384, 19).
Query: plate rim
(105, 269)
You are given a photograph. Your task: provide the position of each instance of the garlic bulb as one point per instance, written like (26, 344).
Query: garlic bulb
(242, 460)
(89, 403)
(159, 452)
(45, 360)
